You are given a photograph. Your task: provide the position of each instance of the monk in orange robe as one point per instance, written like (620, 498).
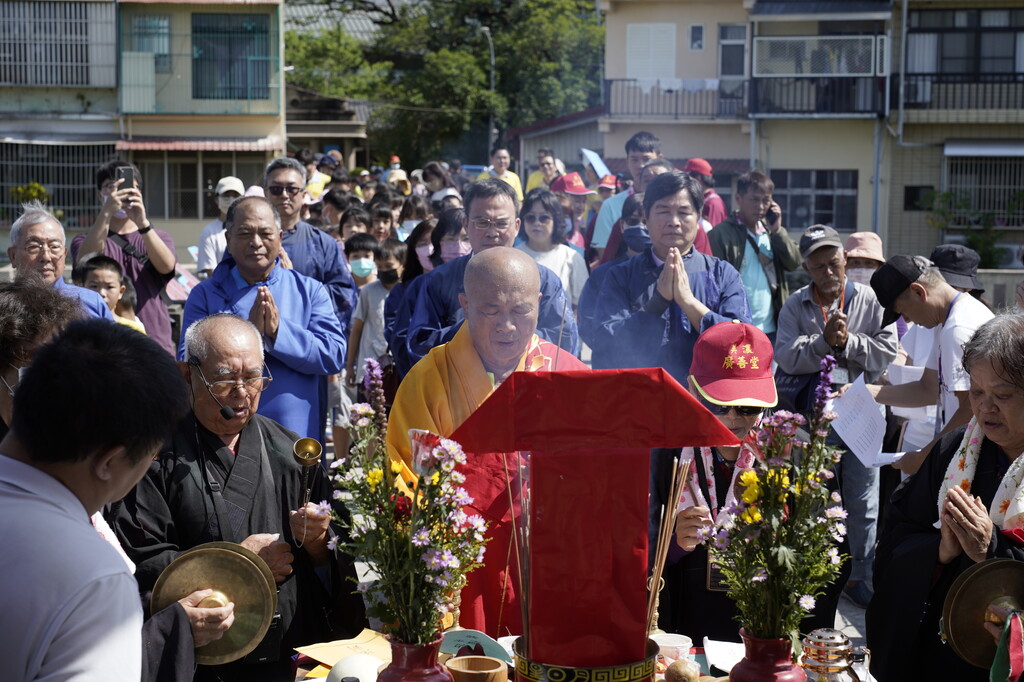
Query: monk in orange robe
(502, 298)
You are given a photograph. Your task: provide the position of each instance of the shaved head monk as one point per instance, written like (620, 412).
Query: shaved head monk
(501, 300)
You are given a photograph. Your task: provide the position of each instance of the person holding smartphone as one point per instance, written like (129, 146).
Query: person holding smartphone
(122, 231)
(754, 242)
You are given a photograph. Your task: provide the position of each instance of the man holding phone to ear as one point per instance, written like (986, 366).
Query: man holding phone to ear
(754, 242)
(123, 232)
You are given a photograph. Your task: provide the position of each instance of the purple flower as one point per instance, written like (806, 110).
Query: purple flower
(332, 544)
(421, 538)
(460, 496)
(760, 575)
(324, 508)
(434, 559)
(835, 513)
(337, 494)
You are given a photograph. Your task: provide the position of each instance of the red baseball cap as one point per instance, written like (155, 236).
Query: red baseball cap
(698, 166)
(732, 365)
(571, 183)
(608, 182)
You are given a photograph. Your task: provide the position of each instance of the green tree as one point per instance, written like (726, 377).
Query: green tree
(333, 64)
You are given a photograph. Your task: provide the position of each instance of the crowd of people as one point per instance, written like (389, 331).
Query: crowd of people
(452, 284)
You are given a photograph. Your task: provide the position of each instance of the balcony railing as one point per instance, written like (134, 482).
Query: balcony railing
(675, 98)
(987, 91)
(819, 96)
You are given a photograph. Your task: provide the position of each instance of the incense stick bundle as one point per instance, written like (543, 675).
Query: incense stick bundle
(666, 527)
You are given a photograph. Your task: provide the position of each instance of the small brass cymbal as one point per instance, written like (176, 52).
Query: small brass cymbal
(235, 576)
(963, 613)
(248, 554)
(307, 451)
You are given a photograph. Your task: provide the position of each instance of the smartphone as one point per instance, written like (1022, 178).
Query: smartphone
(771, 216)
(126, 173)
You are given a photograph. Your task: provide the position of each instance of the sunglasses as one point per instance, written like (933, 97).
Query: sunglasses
(742, 410)
(278, 190)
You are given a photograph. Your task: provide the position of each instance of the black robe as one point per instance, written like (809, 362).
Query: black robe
(172, 509)
(910, 585)
(686, 605)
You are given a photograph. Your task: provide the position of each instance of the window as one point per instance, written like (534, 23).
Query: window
(987, 185)
(651, 51)
(817, 197)
(966, 41)
(58, 43)
(732, 60)
(153, 34)
(178, 186)
(916, 197)
(231, 56)
(697, 37)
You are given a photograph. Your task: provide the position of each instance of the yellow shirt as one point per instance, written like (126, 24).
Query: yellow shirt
(509, 178)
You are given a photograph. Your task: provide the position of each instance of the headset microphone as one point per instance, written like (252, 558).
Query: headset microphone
(226, 412)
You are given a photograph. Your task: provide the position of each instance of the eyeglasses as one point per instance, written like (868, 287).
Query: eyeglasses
(34, 248)
(542, 218)
(278, 190)
(742, 410)
(484, 224)
(224, 387)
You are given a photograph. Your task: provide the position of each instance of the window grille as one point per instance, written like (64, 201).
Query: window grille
(231, 56)
(986, 185)
(817, 197)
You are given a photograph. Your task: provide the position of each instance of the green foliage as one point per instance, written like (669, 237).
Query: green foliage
(32, 191)
(332, 63)
(433, 64)
(954, 210)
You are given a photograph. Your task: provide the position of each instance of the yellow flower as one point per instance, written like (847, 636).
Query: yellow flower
(751, 515)
(436, 478)
(751, 494)
(374, 477)
(748, 477)
(396, 468)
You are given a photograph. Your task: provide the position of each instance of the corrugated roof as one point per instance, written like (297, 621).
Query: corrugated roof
(317, 18)
(192, 144)
(823, 9)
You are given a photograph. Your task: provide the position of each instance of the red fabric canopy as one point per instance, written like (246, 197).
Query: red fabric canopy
(589, 435)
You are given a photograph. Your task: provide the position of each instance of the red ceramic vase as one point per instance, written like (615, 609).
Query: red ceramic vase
(414, 663)
(766, 660)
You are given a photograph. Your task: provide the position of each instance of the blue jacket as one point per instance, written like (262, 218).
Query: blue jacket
(588, 307)
(92, 303)
(314, 253)
(309, 341)
(436, 314)
(636, 327)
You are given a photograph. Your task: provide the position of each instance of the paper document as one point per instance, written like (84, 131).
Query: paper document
(860, 424)
(904, 374)
(723, 655)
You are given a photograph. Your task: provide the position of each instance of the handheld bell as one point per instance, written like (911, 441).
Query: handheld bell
(307, 453)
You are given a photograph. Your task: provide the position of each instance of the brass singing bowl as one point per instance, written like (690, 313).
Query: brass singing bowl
(307, 451)
(965, 611)
(236, 575)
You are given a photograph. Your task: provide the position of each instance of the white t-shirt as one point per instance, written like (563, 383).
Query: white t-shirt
(370, 309)
(965, 316)
(918, 342)
(567, 263)
(212, 243)
(71, 608)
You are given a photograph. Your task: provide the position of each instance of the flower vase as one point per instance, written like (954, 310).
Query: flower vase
(414, 663)
(766, 660)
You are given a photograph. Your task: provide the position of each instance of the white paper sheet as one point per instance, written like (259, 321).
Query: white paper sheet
(904, 374)
(860, 423)
(723, 655)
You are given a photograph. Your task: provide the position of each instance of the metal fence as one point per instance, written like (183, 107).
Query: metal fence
(58, 44)
(676, 98)
(821, 96)
(984, 91)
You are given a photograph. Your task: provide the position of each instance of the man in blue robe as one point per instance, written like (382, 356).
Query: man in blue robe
(301, 332)
(651, 309)
(491, 220)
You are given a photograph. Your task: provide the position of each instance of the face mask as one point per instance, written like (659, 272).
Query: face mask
(120, 213)
(423, 253)
(362, 267)
(452, 250)
(224, 203)
(637, 239)
(860, 275)
(388, 277)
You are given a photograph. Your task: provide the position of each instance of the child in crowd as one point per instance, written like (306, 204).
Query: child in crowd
(355, 219)
(383, 224)
(415, 210)
(366, 340)
(359, 250)
(104, 276)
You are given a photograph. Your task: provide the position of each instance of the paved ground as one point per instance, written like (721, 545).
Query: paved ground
(850, 619)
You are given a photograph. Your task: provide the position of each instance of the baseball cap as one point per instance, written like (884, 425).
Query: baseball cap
(865, 245)
(732, 365)
(571, 183)
(698, 166)
(958, 265)
(364, 173)
(326, 160)
(230, 184)
(816, 237)
(892, 279)
(608, 182)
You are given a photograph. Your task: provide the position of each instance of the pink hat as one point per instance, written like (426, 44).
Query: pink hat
(698, 166)
(571, 183)
(864, 245)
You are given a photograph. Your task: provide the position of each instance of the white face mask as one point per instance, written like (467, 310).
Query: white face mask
(860, 275)
(224, 203)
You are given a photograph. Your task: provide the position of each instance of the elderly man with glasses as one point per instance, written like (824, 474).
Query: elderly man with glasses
(293, 314)
(37, 252)
(228, 474)
(491, 220)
